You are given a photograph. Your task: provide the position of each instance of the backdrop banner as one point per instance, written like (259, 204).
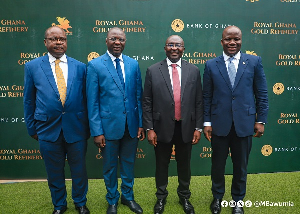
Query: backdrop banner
(270, 30)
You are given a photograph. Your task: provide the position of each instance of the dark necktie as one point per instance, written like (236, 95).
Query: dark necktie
(176, 92)
(231, 71)
(119, 71)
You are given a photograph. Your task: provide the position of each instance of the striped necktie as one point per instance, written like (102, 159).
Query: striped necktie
(231, 71)
(61, 84)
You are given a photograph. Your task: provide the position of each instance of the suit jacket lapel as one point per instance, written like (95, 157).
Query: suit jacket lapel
(71, 73)
(223, 70)
(166, 76)
(113, 72)
(127, 69)
(241, 69)
(45, 65)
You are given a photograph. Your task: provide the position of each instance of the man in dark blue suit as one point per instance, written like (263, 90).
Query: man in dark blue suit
(56, 116)
(114, 94)
(235, 107)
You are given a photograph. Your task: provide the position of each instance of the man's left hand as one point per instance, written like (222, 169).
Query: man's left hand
(197, 137)
(259, 129)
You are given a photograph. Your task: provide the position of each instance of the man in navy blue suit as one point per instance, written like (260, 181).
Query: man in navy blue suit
(235, 107)
(56, 115)
(114, 94)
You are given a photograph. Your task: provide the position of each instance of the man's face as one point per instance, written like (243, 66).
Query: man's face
(231, 40)
(174, 48)
(115, 42)
(56, 42)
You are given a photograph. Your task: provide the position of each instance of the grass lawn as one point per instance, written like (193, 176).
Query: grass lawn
(34, 197)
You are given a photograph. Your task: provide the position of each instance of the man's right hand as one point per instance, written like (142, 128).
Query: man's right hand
(99, 141)
(207, 132)
(152, 137)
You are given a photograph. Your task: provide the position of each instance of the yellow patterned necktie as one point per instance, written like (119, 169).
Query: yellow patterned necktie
(61, 84)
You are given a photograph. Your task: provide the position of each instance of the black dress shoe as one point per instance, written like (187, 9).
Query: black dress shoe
(238, 210)
(62, 210)
(82, 210)
(133, 206)
(215, 206)
(112, 209)
(187, 206)
(159, 206)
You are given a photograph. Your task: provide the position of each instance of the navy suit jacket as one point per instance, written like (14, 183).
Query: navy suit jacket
(44, 113)
(109, 106)
(243, 104)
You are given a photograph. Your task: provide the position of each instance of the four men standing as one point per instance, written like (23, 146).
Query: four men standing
(234, 102)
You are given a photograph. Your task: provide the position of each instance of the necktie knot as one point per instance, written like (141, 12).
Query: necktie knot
(174, 65)
(117, 60)
(230, 59)
(57, 61)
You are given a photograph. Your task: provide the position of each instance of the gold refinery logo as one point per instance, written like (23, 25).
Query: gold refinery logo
(252, 0)
(177, 25)
(278, 88)
(251, 53)
(266, 150)
(64, 24)
(92, 55)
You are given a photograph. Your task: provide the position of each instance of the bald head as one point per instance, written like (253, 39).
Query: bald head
(231, 40)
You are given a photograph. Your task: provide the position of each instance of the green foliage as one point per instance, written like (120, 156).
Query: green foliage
(34, 197)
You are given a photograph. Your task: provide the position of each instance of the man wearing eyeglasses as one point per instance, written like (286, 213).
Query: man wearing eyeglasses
(173, 115)
(56, 115)
(114, 94)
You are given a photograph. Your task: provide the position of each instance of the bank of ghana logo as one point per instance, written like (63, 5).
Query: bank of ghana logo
(92, 55)
(278, 88)
(177, 25)
(266, 150)
(64, 24)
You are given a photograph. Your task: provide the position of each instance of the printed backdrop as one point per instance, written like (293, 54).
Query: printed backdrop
(270, 30)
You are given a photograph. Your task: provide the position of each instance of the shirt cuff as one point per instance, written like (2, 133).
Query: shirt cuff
(207, 124)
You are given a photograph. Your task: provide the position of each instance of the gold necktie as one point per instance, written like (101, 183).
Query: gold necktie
(61, 84)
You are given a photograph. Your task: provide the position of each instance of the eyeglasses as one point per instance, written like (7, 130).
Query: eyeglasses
(54, 39)
(177, 45)
(113, 39)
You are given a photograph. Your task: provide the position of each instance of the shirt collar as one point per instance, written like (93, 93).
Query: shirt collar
(237, 56)
(178, 63)
(113, 57)
(62, 59)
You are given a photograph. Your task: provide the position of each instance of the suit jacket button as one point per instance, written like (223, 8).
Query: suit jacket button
(124, 112)
(63, 112)
(233, 98)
